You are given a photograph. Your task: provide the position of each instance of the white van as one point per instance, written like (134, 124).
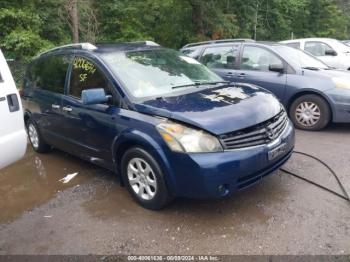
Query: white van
(13, 137)
(331, 51)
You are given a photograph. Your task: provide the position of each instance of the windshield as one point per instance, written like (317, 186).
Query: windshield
(339, 46)
(157, 72)
(300, 58)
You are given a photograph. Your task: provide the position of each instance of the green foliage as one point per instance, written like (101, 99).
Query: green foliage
(20, 33)
(29, 26)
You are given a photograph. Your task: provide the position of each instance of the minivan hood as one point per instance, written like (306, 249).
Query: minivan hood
(218, 110)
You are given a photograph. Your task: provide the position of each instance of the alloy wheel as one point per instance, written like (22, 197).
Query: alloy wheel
(33, 135)
(142, 178)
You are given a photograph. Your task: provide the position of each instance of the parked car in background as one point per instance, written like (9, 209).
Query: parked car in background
(347, 42)
(167, 124)
(313, 93)
(13, 138)
(331, 51)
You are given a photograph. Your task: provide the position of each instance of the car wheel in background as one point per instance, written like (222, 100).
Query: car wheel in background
(310, 112)
(35, 138)
(144, 179)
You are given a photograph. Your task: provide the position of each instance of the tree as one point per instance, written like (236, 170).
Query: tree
(30, 26)
(20, 33)
(81, 19)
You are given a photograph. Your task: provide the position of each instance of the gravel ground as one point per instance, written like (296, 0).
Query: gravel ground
(92, 214)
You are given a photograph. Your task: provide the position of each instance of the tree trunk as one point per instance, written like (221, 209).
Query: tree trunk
(75, 21)
(197, 17)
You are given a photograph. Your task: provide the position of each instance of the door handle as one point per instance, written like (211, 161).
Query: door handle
(13, 102)
(229, 74)
(54, 106)
(241, 75)
(67, 109)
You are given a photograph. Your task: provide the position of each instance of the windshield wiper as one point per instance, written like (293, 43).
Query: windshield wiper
(201, 84)
(215, 82)
(311, 68)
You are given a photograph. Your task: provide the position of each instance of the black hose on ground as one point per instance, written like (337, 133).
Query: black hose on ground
(345, 196)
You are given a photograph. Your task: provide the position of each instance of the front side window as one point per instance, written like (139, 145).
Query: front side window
(219, 57)
(317, 48)
(86, 75)
(258, 59)
(49, 73)
(157, 72)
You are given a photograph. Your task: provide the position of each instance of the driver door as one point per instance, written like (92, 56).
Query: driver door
(90, 129)
(254, 69)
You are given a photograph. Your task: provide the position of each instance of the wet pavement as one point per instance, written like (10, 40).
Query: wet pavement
(92, 214)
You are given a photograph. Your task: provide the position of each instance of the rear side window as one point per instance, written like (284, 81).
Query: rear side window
(294, 45)
(49, 73)
(194, 53)
(1, 80)
(220, 57)
(86, 75)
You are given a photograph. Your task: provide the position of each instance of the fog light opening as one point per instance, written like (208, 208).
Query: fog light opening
(223, 189)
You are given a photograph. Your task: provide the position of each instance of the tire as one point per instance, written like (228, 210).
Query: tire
(310, 112)
(35, 138)
(147, 187)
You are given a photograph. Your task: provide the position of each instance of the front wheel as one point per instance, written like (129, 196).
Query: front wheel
(310, 112)
(144, 179)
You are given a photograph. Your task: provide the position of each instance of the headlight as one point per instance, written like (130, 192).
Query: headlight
(185, 139)
(343, 83)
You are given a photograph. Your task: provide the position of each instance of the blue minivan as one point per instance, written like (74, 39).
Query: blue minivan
(166, 123)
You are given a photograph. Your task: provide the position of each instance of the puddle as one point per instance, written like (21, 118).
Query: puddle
(35, 179)
(113, 203)
(38, 177)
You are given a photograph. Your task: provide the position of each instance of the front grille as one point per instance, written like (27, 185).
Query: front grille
(260, 134)
(246, 181)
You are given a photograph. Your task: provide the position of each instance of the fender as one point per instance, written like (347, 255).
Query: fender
(306, 91)
(26, 115)
(131, 137)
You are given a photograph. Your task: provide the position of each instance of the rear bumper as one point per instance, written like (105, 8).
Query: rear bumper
(213, 175)
(15, 145)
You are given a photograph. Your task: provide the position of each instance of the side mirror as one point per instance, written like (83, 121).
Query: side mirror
(94, 96)
(276, 68)
(330, 53)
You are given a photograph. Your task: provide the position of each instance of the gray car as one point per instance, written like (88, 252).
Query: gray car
(313, 93)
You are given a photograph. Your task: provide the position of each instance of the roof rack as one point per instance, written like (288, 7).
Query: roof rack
(147, 42)
(84, 46)
(219, 41)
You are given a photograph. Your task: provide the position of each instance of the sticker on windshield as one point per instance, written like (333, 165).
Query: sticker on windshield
(189, 60)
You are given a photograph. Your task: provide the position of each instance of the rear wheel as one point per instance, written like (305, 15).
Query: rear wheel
(310, 112)
(144, 179)
(35, 138)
